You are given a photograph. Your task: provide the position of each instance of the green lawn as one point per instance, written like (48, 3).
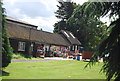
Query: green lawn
(52, 70)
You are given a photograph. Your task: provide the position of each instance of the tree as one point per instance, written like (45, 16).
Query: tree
(65, 10)
(88, 29)
(111, 44)
(6, 48)
(0, 33)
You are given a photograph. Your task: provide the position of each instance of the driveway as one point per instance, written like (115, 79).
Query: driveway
(37, 60)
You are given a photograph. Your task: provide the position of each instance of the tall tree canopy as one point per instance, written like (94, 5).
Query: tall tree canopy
(65, 10)
(6, 48)
(88, 29)
(111, 44)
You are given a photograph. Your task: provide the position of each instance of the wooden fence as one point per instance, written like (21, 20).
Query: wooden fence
(87, 54)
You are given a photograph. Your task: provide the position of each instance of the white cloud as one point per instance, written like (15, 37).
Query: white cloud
(45, 23)
(11, 2)
(16, 11)
(50, 5)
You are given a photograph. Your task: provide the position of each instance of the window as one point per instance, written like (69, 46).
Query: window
(72, 35)
(21, 46)
(66, 34)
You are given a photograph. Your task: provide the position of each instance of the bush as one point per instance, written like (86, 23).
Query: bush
(17, 56)
(22, 56)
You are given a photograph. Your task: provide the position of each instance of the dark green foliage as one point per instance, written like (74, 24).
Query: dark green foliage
(0, 36)
(65, 10)
(61, 25)
(6, 48)
(111, 45)
(88, 29)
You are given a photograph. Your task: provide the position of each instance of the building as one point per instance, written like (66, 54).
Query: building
(27, 39)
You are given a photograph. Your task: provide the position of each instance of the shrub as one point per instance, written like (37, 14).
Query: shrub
(17, 56)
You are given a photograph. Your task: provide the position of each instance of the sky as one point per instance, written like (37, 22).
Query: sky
(36, 12)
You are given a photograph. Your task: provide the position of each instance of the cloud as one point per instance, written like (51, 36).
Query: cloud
(45, 23)
(37, 12)
(32, 9)
(11, 2)
(50, 5)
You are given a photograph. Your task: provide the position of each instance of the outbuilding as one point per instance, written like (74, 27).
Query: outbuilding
(27, 39)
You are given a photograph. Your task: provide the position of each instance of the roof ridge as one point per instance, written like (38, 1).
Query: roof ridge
(19, 21)
(44, 31)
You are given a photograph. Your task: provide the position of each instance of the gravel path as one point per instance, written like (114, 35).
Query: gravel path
(37, 60)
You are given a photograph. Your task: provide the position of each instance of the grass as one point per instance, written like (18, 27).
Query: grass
(52, 70)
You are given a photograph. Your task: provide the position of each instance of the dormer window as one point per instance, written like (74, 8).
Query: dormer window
(72, 35)
(66, 34)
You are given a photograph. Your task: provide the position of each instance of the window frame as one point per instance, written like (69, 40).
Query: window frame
(21, 46)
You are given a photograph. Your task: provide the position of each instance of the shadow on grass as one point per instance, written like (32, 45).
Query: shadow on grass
(4, 73)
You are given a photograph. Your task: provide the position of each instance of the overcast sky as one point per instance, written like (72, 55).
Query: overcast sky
(36, 12)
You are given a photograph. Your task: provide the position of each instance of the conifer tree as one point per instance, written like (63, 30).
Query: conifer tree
(6, 48)
(64, 12)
